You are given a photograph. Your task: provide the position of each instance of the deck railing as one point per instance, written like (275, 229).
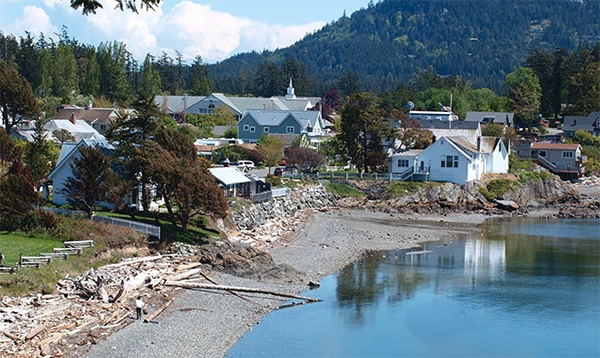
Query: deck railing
(147, 229)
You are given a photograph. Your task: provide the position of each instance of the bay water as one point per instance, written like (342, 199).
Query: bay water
(524, 287)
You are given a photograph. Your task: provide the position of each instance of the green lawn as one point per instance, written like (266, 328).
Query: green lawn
(14, 244)
(149, 218)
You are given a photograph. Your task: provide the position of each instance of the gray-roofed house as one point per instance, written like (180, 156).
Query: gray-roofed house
(176, 106)
(100, 119)
(440, 128)
(589, 123)
(233, 181)
(237, 105)
(505, 118)
(256, 123)
(77, 128)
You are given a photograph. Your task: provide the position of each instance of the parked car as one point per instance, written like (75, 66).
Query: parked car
(245, 164)
(278, 172)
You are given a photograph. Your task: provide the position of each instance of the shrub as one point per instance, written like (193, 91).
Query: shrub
(199, 222)
(517, 164)
(497, 188)
(402, 188)
(344, 190)
(526, 176)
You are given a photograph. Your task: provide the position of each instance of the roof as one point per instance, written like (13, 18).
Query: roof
(175, 103)
(550, 145)
(440, 124)
(70, 148)
(276, 117)
(297, 104)
(249, 103)
(464, 144)
(91, 115)
(469, 134)
(80, 130)
(229, 175)
(488, 144)
(487, 117)
(408, 153)
(587, 123)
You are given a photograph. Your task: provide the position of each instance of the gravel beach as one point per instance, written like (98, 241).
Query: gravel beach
(209, 323)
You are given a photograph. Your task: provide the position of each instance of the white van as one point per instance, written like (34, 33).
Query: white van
(245, 164)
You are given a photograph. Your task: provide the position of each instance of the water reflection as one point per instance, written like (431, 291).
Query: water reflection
(520, 288)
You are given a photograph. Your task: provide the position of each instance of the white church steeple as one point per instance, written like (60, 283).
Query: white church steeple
(290, 91)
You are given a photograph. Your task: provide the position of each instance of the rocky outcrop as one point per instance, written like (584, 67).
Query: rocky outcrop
(448, 196)
(536, 193)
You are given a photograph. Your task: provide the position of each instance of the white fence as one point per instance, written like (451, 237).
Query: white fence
(275, 193)
(147, 229)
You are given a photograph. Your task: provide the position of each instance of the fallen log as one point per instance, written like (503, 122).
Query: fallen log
(185, 275)
(35, 331)
(194, 285)
(232, 292)
(158, 311)
(189, 266)
(143, 259)
(12, 336)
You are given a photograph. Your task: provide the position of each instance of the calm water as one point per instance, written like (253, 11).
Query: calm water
(525, 288)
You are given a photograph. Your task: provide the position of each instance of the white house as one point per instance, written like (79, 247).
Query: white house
(68, 153)
(452, 159)
(79, 129)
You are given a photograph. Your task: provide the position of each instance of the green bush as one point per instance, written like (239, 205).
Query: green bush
(526, 176)
(199, 222)
(517, 164)
(497, 188)
(402, 188)
(344, 190)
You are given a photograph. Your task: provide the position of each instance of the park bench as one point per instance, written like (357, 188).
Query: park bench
(34, 261)
(60, 255)
(79, 244)
(68, 250)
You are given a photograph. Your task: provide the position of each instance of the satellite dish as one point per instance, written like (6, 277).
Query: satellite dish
(410, 106)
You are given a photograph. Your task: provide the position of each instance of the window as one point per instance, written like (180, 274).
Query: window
(567, 154)
(290, 129)
(252, 129)
(266, 129)
(403, 163)
(211, 108)
(246, 127)
(542, 153)
(449, 161)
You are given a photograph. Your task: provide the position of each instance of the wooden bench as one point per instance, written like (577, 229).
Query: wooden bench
(68, 250)
(79, 244)
(6, 269)
(60, 255)
(34, 261)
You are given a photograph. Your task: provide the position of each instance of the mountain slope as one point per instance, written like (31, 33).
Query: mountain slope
(387, 43)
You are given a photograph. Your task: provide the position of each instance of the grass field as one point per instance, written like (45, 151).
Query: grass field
(14, 244)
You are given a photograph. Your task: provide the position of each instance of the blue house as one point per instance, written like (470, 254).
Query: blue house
(255, 123)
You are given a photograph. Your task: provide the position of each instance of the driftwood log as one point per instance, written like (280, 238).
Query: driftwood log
(203, 286)
(158, 311)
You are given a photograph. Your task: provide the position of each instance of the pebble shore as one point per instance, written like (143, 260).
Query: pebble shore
(209, 323)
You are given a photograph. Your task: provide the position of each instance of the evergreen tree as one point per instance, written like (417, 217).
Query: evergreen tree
(151, 84)
(268, 81)
(114, 84)
(292, 68)
(200, 81)
(64, 77)
(362, 130)
(27, 57)
(525, 93)
(88, 186)
(17, 101)
(349, 84)
(91, 83)
(43, 73)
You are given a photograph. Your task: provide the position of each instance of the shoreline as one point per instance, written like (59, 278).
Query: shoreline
(209, 323)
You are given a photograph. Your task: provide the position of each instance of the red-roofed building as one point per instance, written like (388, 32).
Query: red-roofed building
(560, 158)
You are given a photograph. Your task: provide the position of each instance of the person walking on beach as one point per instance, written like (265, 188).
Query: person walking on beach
(139, 307)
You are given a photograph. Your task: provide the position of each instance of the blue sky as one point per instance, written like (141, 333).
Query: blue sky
(213, 29)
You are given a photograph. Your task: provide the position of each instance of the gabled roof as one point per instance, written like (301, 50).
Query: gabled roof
(69, 149)
(175, 104)
(275, 118)
(587, 123)
(91, 115)
(408, 153)
(489, 144)
(464, 144)
(490, 117)
(550, 145)
(249, 103)
(296, 104)
(229, 175)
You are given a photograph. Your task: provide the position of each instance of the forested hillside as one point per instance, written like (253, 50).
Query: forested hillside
(388, 42)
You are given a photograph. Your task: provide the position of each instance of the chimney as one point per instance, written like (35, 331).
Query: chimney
(73, 118)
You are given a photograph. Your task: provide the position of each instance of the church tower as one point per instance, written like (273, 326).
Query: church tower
(290, 91)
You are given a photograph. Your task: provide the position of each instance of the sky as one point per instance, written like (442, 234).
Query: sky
(212, 29)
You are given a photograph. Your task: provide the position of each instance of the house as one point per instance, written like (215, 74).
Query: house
(237, 105)
(561, 159)
(590, 124)
(77, 128)
(441, 128)
(255, 123)
(101, 119)
(63, 170)
(233, 181)
(452, 159)
(503, 118)
(176, 106)
(432, 115)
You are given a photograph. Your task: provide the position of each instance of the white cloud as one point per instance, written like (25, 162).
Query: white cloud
(34, 20)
